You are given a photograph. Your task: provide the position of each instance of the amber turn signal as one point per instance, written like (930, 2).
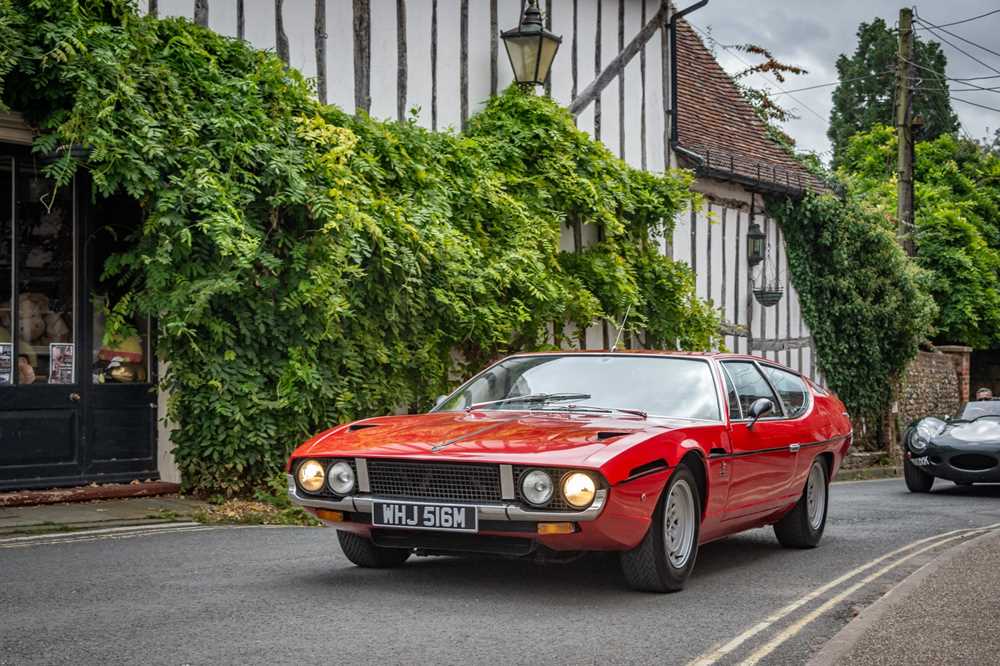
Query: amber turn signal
(330, 516)
(556, 528)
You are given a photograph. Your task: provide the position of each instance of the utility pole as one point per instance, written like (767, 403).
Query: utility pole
(904, 131)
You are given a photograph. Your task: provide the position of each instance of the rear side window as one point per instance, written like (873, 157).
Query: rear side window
(791, 388)
(750, 386)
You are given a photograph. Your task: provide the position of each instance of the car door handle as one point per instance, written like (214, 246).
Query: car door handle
(75, 397)
(794, 448)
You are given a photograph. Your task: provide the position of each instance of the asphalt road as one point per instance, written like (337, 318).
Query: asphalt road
(287, 595)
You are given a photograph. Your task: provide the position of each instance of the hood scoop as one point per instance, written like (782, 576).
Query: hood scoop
(362, 426)
(610, 434)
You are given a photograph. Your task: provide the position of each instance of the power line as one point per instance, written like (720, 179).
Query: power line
(740, 58)
(945, 78)
(974, 18)
(981, 106)
(959, 49)
(834, 83)
(967, 41)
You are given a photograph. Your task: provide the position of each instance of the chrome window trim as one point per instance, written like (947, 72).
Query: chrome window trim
(753, 362)
(805, 386)
(706, 360)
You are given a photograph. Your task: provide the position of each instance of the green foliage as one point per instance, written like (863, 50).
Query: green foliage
(957, 216)
(864, 302)
(308, 267)
(865, 96)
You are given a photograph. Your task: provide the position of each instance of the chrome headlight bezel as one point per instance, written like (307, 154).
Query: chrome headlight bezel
(577, 482)
(341, 478)
(537, 487)
(310, 475)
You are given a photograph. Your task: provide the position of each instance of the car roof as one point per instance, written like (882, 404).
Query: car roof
(721, 356)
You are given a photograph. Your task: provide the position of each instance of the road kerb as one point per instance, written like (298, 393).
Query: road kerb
(842, 644)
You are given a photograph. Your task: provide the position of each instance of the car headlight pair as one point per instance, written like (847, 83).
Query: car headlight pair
(339, 477)
(578, 488)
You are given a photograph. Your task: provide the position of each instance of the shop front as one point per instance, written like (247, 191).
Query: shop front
(75, 406)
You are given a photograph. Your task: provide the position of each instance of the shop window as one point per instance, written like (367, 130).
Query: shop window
(122, 358)
(38, 283)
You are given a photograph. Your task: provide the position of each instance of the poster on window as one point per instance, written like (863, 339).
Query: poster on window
(60, 363)
(6, 363)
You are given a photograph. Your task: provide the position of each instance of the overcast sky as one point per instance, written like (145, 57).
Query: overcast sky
(812, 33)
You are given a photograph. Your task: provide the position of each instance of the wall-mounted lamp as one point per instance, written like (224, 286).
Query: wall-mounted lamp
(530, 47)
(755, 245)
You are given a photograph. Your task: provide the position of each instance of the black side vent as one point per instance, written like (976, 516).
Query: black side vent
(362, 426)
(610, 434)
(648, 468)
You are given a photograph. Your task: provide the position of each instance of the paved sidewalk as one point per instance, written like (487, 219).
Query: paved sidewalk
(98, 514)
(945, 613)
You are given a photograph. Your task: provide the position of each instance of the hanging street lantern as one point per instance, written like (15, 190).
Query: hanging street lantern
(530, 47)
(755, 244)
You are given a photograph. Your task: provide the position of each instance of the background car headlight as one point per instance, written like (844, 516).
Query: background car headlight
(311, 475)
(537, 487)
(341, 478)
(925, 431)
(579, 489)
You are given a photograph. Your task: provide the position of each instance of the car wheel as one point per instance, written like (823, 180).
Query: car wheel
(666, 556)
(917, 480)
(803, 526)
(363, 553)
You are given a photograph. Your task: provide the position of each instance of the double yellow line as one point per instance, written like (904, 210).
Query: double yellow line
(921, 545)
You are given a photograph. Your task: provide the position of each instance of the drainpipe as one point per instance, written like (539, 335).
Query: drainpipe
(673, 66)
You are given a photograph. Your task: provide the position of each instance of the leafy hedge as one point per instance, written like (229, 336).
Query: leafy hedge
(865, 303)
(307, 266)
(957, 216)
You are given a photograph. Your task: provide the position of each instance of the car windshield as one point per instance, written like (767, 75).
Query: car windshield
(657, 385)
(980, 408)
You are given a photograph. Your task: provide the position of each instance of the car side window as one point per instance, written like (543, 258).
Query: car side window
(791, 388)
(750, 385)
(735, 413)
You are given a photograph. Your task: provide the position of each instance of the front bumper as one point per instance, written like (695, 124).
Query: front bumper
(617, 520)
(973, 463)
(501, 511)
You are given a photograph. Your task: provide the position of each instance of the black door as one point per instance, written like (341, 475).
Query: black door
(59, 423)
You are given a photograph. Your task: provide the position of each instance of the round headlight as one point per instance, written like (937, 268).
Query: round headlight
(341, 478)
(926, 430)
(311, 475)
(537, 488)
(579, 489)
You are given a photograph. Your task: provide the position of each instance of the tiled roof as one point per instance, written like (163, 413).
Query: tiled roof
(716, 122)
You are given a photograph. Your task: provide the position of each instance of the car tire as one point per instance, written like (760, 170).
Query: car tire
(803, 526)
(917, 480)
(363, 553)
(663, 561)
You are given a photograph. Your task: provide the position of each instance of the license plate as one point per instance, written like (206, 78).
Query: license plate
(412, 516)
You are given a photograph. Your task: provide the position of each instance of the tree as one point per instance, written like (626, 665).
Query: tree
(864, 98)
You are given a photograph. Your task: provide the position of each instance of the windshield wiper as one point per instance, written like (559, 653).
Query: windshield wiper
(603, 410)
(532, 398)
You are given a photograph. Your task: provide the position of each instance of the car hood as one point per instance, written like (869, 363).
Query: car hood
(490, 436)
(981, 431)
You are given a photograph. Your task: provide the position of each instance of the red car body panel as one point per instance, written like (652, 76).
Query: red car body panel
(751, 478)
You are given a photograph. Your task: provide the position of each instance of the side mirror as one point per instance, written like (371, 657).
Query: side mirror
(760, 407)
(440, 399)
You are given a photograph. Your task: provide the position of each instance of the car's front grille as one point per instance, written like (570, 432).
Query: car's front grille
(974, 462)
(437, 481)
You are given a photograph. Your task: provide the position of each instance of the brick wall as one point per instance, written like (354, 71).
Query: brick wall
(932, 387)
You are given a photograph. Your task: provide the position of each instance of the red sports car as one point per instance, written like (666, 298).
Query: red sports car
(645, 453)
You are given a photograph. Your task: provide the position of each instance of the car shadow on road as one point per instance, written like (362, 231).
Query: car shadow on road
(945, 488)
(593, 571)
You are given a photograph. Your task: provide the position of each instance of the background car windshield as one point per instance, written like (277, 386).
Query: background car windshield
(661, 386)
(979, 408)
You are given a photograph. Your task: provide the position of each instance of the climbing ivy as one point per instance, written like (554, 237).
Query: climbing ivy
(865, 303)
(306, 266)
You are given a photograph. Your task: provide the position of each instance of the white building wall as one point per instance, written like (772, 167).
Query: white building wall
(629, 118)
